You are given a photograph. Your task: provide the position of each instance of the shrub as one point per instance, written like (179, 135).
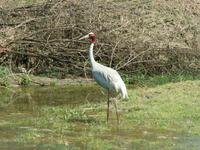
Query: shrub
(133, 36)
(4, 72)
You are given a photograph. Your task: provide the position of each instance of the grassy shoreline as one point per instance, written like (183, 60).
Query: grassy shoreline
(159, 114)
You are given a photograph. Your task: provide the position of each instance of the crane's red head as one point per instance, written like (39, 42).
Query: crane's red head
(91, 36)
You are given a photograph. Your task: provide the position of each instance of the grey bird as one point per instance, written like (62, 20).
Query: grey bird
(106, 77)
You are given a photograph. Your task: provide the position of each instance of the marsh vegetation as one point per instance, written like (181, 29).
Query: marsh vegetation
(73, 116)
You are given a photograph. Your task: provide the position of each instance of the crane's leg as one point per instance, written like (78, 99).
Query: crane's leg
(116, 109)
(108, 103)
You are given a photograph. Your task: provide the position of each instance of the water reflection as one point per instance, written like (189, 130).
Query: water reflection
(32, 97)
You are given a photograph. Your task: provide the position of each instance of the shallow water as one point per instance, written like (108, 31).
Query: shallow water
(24, 103)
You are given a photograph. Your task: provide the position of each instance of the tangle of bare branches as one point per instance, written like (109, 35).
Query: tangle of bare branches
(149, 36)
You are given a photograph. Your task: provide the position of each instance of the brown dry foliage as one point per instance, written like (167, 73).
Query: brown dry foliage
(133, 35)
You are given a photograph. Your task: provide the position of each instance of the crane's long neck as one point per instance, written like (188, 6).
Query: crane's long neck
(92, 61)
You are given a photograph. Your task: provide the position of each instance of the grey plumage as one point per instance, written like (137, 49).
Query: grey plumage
(109, 79)
(106, 77)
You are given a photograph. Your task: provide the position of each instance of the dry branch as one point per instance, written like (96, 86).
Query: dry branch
(148, 36)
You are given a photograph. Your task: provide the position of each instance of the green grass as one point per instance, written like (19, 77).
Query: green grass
(7, 78)
(154, 80)
(158, 115)
(172, 105)
(4, 72)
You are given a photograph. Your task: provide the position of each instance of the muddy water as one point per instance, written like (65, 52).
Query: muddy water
(23, 103)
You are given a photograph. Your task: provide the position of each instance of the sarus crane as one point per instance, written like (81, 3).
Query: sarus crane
(106, 77)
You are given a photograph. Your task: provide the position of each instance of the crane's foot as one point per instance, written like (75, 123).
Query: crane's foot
(114, 100)
(108, 110)
(108, 103)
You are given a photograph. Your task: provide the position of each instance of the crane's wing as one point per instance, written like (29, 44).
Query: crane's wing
(107, 78)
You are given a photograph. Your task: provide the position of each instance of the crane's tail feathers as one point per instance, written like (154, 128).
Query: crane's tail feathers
(124, 92)
(125, 96)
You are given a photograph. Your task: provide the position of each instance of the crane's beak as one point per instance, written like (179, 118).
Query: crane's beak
(84, 37)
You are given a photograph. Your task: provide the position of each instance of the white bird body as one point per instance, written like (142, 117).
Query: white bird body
(106, 77)
(109, 79)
